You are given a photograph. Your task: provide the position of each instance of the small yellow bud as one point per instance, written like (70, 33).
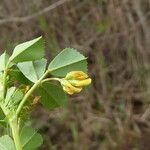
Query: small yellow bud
(74, 81)
(76, 75)
(71, 91)
(68, 88)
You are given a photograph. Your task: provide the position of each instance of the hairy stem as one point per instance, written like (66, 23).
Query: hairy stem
(15, 133)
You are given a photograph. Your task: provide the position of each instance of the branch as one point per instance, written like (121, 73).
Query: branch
(34, 15)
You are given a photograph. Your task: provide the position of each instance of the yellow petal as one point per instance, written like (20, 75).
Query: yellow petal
(80, 83)
(76, 75)
(68, 88)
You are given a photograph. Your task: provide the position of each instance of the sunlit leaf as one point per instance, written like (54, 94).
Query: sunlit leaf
(68, 60)
(28, 51)
(6, 143)
(33, 70)
(3, 61)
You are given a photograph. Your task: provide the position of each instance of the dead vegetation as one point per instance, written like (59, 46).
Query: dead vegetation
(113, 114)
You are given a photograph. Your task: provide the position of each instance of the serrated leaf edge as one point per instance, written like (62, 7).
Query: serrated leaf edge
(12, 57)
(54, 69)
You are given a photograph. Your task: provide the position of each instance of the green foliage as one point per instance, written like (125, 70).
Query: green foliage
(30, 139)
(33, 70)
(68, 60)
(28, 51)
(6, 143)
(3, 61)
(13, 96)
(2, 115)
(16, 75)
(9, 94)
(2, 118)
(23, 76)
(52, 96)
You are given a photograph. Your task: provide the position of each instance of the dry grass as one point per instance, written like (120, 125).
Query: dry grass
(113, 114)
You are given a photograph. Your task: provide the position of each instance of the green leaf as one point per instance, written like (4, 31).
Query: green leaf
(2, 115)
(1, 85)
(6, 143)
(30, 139)
(9, 94)
(33, 70)
(13, 96)
(68, 60)
(3, 123)
(2, 118)
(28, 51)
(3, 61)
(17, 75)
(17, 96)
(52, 96)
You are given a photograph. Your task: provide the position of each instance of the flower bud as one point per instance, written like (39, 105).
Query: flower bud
(76, 75)
(80, 83)
(68, 88)
(74, 81)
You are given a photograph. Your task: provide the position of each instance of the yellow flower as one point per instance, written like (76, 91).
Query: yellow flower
(81, 83)
(77, 75)
(68, 88)
(75, 81)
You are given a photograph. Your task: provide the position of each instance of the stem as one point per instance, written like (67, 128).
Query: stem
(15, 129)
(15, 134)
(30, 92)
(50, 79)
(13, 122)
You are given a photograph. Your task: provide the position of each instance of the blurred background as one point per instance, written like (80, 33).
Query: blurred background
(114, 112)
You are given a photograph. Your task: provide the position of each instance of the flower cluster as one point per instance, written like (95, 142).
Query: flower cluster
(75, 81)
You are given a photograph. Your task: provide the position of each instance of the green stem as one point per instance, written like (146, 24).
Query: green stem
(27, 95)
(13, 123)
(50, 79)
(14, 127)
(15, 133)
